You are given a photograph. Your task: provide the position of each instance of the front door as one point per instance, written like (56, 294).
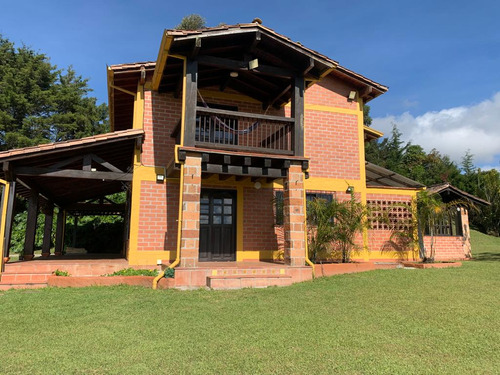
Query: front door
(217, 225)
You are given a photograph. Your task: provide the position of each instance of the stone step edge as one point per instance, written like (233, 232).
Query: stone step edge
(256, 276)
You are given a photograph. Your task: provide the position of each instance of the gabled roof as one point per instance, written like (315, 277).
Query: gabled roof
(249, 58)
(449, 192)
(380, 177)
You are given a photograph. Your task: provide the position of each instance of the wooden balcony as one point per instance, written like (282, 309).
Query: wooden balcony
(242, 131)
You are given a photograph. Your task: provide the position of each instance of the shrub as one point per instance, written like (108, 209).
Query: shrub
(60, 273)
(134, 272)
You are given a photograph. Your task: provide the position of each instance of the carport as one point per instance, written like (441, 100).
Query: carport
(72, 177)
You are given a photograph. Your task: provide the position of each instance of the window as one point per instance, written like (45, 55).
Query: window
(279, 202)
(217, 129)
(448, 225)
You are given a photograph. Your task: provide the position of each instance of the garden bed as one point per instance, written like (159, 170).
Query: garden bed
(83, 281)
(329, 269)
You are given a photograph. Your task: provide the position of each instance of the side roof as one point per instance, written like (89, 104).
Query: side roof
(450, 192)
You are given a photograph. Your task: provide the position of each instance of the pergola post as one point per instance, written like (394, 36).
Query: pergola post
(29, 239)
(47, 232)
(9, 218)
(60, 229)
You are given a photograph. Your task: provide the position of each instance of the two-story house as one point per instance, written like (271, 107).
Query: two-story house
(206, 138)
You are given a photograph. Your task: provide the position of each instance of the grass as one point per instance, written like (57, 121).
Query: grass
(398, 321)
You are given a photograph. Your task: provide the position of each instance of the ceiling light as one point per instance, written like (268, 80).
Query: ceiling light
(233, 74)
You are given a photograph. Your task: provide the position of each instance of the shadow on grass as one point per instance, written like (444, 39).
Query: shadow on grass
(487, 256)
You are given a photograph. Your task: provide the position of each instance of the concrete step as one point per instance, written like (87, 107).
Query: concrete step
(23, 278)
(73, 269)
(274, 271)
(247, 281)
(22, 286)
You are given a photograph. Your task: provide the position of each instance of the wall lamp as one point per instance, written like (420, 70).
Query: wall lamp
(160, 177)
(350, 189)
(352, 95)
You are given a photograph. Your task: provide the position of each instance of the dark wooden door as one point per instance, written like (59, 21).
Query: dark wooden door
(217, 225)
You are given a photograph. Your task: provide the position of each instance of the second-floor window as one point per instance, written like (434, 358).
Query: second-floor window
(217, 129)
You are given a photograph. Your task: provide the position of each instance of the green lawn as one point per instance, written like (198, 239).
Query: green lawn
(380, 322)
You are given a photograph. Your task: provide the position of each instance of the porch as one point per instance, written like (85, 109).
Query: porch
(86, 270)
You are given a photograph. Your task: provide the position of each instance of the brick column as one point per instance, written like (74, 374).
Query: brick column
(466, 233)
(190, 233)
(294, 217)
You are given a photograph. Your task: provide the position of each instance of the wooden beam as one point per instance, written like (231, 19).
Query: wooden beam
(8, 171)
(298, 115)
(243, 65)
(105, 164)
(73, 173)
(29, 239)
(47, 229)
(60, 227)
(196, 48)
(225, 112)
(191, 95)
(9, 218)
(224, 177)
(239, 171)
(66, 162)
(87, 162)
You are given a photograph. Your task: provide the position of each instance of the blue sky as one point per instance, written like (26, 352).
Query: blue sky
(440, 59)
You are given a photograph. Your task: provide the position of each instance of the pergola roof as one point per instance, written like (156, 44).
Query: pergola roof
(380, 177)
(73, 171)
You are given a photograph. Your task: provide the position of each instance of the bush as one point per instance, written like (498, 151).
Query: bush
(134, 272)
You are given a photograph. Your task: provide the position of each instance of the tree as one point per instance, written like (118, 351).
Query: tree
(367, 120)
(192, 22)
(40, 103)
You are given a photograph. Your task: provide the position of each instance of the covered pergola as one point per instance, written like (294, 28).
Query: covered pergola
(74, 176)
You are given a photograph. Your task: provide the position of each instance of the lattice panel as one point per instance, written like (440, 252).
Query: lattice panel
(390, 215)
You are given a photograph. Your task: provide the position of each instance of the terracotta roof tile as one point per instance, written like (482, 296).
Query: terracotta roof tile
(132, 133)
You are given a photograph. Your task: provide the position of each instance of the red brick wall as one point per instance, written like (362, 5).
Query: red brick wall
(446, 247)
(332, 93)
(162, 112)
(332, 141)
(152, 216)
(380, 239)
(259, 232)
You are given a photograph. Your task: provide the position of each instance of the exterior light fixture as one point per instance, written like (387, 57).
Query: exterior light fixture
(160, 177)
(257, 185)
(233, 74)
(352, 95)
(350, 189)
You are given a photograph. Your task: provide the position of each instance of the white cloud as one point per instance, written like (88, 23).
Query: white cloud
(453, 131)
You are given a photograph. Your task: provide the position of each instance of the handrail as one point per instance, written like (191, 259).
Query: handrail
(225, 112)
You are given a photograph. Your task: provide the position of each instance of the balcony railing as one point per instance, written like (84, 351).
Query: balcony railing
(242, 131)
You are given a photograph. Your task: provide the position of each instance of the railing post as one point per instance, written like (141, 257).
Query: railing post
(191, 87)
(298, 115)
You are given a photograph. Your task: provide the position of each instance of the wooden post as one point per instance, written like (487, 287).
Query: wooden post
(60, 228)
(75, 226)
(9, 218)
(29, 239)
(298, 115)
(191, 95)
(47, 232)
